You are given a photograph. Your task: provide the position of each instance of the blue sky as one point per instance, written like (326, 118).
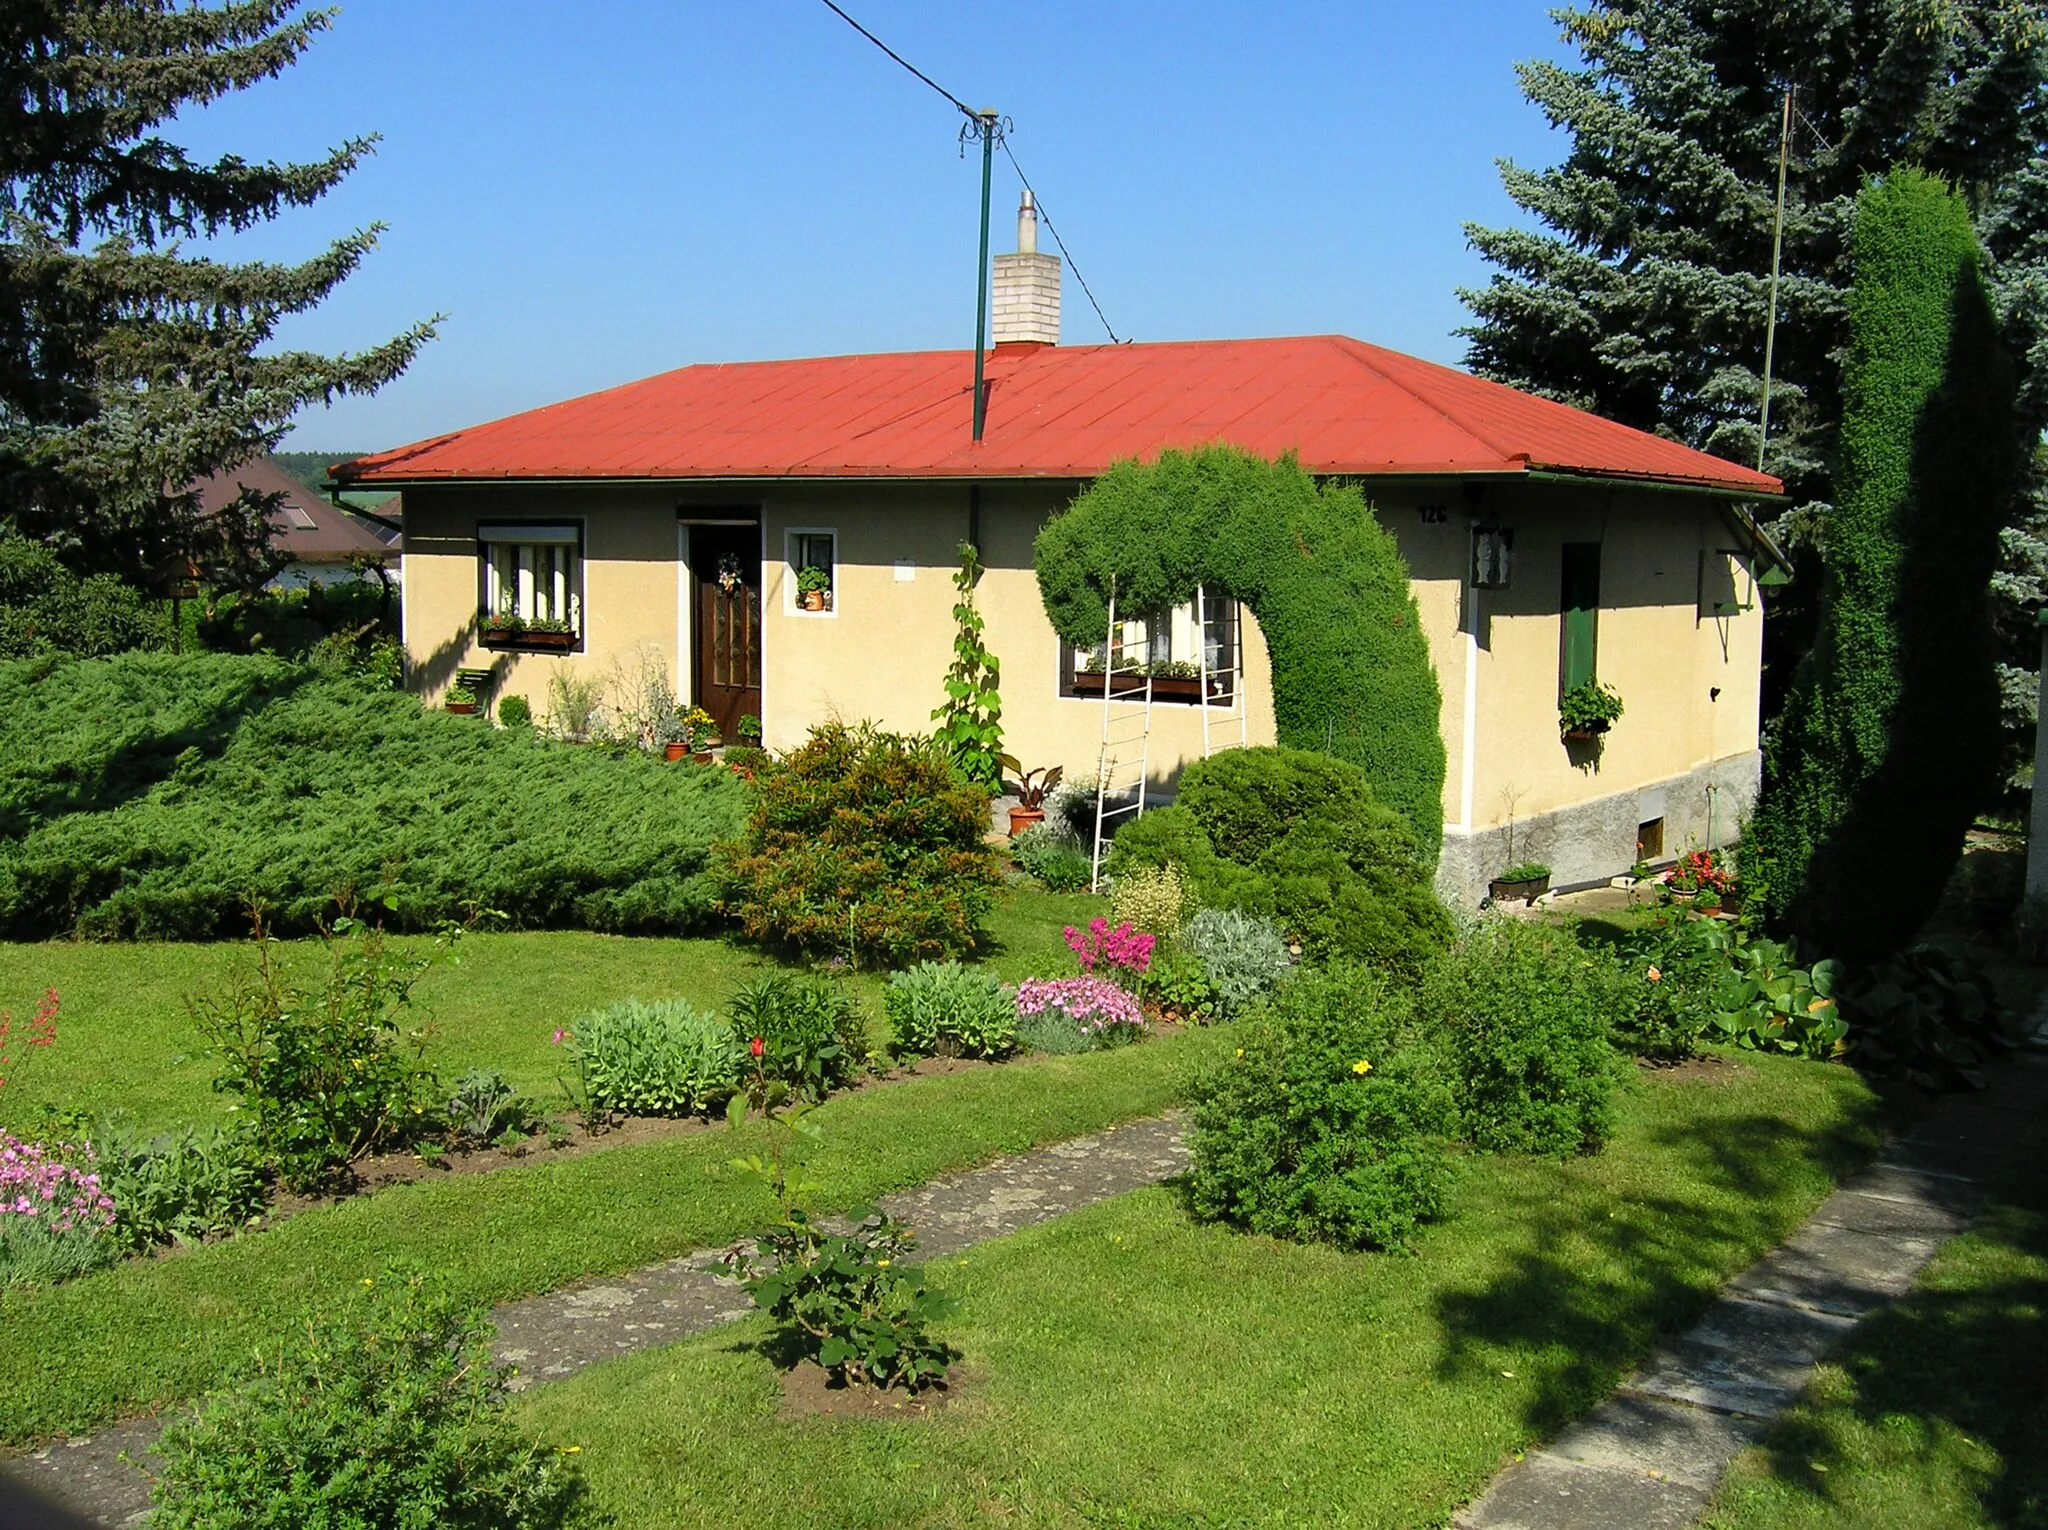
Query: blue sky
(593, 193)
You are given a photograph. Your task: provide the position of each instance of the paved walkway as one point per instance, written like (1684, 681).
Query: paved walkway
(85, 1482)
(1652, 1455)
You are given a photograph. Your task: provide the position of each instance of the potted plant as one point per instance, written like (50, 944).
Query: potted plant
(703, 731)
(672, 732)
(1032, 788)
(504, 626)
(459, 698)
(813, 588)
(1528, 880)
(749, 730)
(550, 632)
(1586, 711)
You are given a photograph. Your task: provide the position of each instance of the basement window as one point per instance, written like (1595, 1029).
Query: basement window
(1170, 649)
(530, 585)
(812, 553)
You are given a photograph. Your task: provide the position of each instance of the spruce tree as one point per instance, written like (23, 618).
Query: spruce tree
(128, 367)
(1888, 740)
(1641, 293)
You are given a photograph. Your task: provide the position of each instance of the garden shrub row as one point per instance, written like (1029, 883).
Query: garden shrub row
(157, 796)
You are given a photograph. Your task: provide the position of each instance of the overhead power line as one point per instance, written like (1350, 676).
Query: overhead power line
(978, 124)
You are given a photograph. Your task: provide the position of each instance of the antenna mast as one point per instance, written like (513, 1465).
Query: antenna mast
(1763, 432)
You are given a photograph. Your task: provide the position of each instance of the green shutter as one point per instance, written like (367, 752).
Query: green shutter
(1579, 605)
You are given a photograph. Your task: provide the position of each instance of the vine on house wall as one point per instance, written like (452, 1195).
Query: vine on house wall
(970, 719)
(1326, 582)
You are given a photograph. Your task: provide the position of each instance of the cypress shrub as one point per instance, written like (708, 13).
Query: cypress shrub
(1888, 744)
(157, 796)
(1351, 670)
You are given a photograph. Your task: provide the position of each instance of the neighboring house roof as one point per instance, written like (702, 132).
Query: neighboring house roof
(305, 527)
(1056, 412)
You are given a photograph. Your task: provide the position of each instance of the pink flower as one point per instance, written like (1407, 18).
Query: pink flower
(560, 1035)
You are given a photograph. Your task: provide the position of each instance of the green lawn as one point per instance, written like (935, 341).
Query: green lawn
(125, 1039)
(150, 1330)
(1935, 1413)
(1128, 1367)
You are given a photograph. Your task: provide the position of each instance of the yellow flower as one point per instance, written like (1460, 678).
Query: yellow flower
(1240, 1051)
(1361, 1067)
(881, 1264)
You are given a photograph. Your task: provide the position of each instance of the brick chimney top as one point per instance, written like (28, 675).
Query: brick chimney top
(1027, 287)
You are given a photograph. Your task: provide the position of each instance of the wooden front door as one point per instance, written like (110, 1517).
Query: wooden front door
(725, 564)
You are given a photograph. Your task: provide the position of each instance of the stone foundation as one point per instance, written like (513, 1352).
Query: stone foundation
(1589, 842)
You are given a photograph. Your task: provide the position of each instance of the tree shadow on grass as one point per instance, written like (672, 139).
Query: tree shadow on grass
(1595, 1284)
(1963, 1356)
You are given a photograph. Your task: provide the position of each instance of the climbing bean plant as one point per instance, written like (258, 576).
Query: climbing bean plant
(971, 717)
(1351, 670)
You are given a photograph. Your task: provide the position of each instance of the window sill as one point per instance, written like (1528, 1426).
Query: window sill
(531, 642)
(1174, 690)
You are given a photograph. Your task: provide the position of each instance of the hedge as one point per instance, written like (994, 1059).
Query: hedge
(1351, 670)
(157, 796)
(1888, 744)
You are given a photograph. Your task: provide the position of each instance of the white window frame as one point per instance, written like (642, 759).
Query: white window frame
(791, 605)
(540, 562)
(1183, 645)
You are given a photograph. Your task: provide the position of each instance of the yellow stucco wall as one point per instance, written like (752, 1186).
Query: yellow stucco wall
(882, 652)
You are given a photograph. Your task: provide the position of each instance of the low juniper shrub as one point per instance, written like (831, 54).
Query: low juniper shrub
(945, 1008)
(1104, 1013)
(1522, 1013)
(179, 1187)
(332, 1073)
(802, 1036)
(653, 1058)
(1244, 956)
(850, 1301)
(1332, 1123)
(56, 1218)
(385, 1409)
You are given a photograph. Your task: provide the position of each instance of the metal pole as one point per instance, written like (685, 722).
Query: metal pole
(1763, 431)
(985, 122)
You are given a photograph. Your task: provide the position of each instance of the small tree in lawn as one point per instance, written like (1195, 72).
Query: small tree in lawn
(971, 717)
(1888, 745)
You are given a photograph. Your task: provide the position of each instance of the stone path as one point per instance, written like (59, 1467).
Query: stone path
(1652, 1455)
(84, 1482)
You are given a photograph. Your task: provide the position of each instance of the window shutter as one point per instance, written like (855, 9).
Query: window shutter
(1579, 604)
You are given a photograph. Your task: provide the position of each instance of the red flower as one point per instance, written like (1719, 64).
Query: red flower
(756, 1047)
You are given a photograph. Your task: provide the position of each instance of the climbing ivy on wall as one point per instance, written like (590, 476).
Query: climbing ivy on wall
(1351, 670)
(970, 719)
(1889, 741)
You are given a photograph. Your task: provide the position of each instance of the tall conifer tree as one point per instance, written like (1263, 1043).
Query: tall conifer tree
(128, 367)
(1886, 746)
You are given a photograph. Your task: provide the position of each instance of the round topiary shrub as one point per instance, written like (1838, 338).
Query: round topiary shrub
(1523, 1016)
(866, 845)
(1331, 1124)
(1300, 836)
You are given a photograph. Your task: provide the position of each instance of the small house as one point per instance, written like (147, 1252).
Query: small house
(676, 516)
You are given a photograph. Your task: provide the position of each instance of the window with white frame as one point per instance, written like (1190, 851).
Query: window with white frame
(1173, 649)
(812, 553)
(532, 579)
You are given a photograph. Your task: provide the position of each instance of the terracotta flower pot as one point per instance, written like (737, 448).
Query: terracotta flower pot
(701, 757)
(1022, 818)
(462, 708)
(675, 751)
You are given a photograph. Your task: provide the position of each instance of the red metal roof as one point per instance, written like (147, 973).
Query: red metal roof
(1054, 412)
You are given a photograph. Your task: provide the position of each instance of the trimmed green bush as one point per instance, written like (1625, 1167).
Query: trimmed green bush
(386, 1410)
(937, 1006)
(1522, 1014)
(1351, 669)
(659, 1058)
(865, 845)
(155, 796)
(1889, 743)
(1330, 1125)
(1298, 836)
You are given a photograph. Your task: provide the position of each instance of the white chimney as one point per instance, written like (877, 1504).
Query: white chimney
(1027, 287)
